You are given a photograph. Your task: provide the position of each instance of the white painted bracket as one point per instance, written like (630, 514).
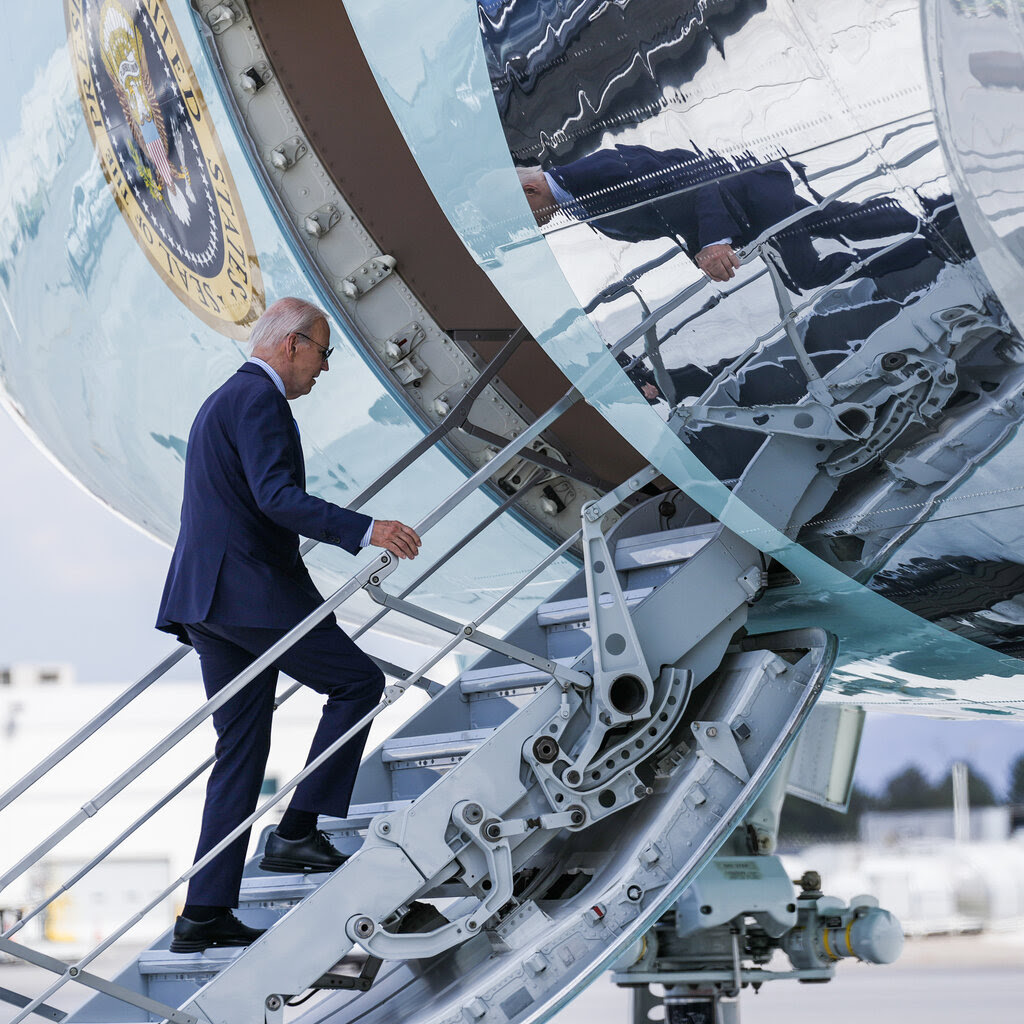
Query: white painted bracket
(319, 222)
(288, 153)
(368, 276)
(718, 742)
(471, 818)
(402, 343)
(222, 16)
(623, 687)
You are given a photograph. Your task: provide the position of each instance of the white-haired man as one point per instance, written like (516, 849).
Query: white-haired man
(236, 585)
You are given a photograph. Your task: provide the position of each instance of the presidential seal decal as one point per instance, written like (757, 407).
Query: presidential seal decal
(162, 158)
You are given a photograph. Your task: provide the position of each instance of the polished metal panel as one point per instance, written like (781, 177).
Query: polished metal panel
(975, 54)
(755, 195)
(434, 76)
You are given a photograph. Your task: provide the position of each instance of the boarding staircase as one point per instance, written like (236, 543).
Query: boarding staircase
(535, 817)
(529, 822)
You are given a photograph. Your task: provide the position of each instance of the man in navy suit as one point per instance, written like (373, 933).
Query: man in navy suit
(711, 207)
(236, 585)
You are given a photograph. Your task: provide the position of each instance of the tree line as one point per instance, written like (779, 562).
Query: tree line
(910, 790)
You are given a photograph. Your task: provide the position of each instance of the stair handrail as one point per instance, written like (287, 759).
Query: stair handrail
(456, 416)
(792, 315)
(747, 254)
(155, 808)
(391, 695)
(373, 571)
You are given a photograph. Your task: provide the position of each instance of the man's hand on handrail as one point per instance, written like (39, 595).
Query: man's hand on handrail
(399, 539)
(718, 261)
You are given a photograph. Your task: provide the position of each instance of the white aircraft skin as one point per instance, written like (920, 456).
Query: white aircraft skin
(106, 355)
(143, 230)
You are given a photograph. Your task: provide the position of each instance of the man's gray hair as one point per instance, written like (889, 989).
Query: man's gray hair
(284, 317)
(529, 173)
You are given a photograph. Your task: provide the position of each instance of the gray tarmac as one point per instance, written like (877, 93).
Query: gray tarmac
(942, 980)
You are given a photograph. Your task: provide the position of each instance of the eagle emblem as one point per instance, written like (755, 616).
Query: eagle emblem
(124, 57)
(156, 142)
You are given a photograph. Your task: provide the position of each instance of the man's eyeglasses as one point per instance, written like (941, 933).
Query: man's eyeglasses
(325, 353)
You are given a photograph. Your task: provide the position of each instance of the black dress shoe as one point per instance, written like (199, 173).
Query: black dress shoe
(311, 853)
(226, 930)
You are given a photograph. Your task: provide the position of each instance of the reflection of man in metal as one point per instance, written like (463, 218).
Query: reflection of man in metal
(236, 585)
(711, 207)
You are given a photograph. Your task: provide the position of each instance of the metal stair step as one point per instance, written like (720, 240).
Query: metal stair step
(432, 750)
(279, 888)
(663, 548)
(162, 962)
(501, 679)
(359, 816)
(417, 762)
(559, 613)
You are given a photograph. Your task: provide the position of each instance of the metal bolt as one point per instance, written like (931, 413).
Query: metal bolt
(384, 828)
(711, 732)
(274, 1002)
(545, 749)
(492, 830)
(472, 813)
(375, 580)
(572, 778)
(634, 893)
(364, 927)
(577, 816)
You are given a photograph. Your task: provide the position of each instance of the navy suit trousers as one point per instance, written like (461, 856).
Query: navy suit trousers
(326, 660)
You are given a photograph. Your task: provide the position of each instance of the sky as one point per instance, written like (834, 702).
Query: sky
(80, 585)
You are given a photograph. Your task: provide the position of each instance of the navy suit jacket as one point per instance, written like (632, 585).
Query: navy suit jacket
(236, 561)
(694, 198)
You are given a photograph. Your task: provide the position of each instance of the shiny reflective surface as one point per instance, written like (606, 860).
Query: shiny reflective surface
(435, 80)
(975, 54)
(767, 180)
(107, 366)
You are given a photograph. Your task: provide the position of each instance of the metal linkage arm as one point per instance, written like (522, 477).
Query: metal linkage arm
(469, 632)
(572, 469)
(93, 725)
(93, 981)
(596, 510)
(42, 1010)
